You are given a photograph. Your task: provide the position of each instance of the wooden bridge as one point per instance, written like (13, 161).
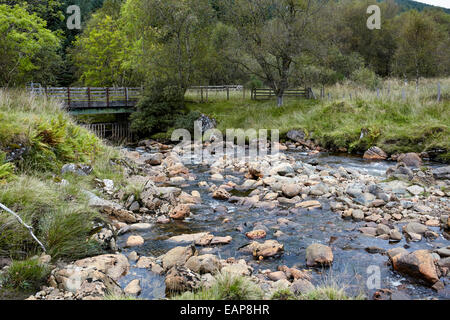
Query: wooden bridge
(92, 100)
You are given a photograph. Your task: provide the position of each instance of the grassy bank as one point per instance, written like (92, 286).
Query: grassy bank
(36, 140)
(415, 124)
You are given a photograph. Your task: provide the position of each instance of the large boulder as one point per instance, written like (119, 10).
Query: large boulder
(290, 190)
(442, 173)
(410, 159)
(177, 256)
(375, 153)
(418, 264)
(206, 263)
(318, 255)
(181, 279)
(91, 278)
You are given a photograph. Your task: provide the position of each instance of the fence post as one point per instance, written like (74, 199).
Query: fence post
(403, 94)
(201, 90)
(378, 92)
(89, 96)
(126, 96)
(68, 97)
(206, 93)
(439, 91)
(228, 93)
(107, 97)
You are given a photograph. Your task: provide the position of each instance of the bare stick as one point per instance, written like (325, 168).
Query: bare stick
(30, 229)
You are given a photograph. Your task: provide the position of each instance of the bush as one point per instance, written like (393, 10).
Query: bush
(187, 121)
(365, 77)
(329, 292)
(226, 287)
(157, 109)
(26, 275)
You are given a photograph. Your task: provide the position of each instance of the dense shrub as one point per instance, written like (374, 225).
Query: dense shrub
(157, 110)
(186, 121)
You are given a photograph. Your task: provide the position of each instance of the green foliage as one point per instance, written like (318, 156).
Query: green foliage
(49, 136)
(157, 109)
(186, 121)
(119, 297)
(226, 287)
(6, 169)
(365, 77)
(26, 275)
(28, 50)
(283, 294)
(329, 292)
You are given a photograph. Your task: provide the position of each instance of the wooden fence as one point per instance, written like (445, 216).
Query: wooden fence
(267, 93)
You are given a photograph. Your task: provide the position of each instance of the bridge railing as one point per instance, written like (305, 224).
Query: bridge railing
(266, 93)
(92, 97)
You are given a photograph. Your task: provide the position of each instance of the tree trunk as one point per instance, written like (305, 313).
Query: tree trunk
(280, 100)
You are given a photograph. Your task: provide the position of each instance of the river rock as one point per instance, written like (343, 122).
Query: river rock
(180, 212)
(177, 256)
(133, 288)
(134, 241)
(375, 153)
(202, 264)
(77, 169)
(290, 190)
(415, 190)
(318, 254)
(269, 248)
(310, 204)
(276, 275)
(417, 264)
(221, 194)
(239, 268)
(415, 227)
(256, 234)
(181, 279)
(113, 265)
(410, 159)
(442, 173)
(301, 286)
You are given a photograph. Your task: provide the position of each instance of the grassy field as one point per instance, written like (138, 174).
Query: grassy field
(409, 122)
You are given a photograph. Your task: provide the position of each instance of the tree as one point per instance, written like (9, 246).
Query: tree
(98, 52)
(28, 50)
(170, 38)
(269, 35)
(418, 39)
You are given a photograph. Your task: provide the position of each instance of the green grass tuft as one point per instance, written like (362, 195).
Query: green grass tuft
(25, 275)
(226, 287)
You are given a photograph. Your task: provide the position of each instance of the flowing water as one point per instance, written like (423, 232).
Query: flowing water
(352, 265)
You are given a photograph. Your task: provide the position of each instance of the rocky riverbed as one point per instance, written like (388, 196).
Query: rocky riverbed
(293, 220)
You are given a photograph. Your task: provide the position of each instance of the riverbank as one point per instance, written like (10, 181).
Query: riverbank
(149, 222)
(417, 124)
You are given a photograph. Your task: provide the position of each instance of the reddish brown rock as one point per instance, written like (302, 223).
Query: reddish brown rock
(375, 153)
(318, 255)
(418, 264)
(256, 234)
(180, 212)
